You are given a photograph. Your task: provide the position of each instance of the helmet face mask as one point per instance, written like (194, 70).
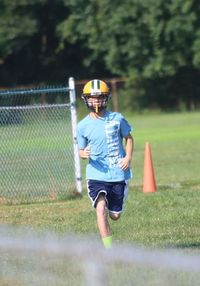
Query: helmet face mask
(95, 95)
(97, 104)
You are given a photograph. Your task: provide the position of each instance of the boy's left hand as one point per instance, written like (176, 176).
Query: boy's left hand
(125, 163)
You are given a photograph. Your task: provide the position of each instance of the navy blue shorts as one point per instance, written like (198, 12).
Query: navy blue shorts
(115, 193)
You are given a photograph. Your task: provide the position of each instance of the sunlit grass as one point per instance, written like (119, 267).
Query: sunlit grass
(170, 217)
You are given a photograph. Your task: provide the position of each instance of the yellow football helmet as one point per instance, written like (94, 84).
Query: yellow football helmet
(96, 89)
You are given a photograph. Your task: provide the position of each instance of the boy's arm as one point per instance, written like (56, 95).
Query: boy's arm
(129, 145)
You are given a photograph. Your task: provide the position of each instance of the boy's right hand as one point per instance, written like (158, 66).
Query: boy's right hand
(86, 153)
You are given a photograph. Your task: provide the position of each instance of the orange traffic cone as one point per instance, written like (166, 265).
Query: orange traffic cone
(149, 183)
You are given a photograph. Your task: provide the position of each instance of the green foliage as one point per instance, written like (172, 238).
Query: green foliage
(17, 25)
(145, 37)
(28, 42)
(155, 44)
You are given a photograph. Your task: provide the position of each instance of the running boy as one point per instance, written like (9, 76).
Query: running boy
(100, 139)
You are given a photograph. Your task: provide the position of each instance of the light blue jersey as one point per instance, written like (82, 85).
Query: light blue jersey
(105, 137)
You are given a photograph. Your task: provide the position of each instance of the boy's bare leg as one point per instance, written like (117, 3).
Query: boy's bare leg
(102, 217)
(102, 221)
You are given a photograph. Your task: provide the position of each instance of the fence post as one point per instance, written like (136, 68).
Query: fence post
(72, 95)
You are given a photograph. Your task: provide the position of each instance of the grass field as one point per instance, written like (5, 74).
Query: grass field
(170, 217)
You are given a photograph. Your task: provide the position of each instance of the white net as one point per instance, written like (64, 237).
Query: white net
(30, 258)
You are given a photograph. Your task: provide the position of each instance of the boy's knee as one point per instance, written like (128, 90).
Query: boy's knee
(114, 216)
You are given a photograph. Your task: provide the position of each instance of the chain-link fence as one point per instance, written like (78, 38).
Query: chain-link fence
(37, 159)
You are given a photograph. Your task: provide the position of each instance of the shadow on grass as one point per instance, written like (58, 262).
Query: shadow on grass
(70, 196)
(187, 245)
(27, 200)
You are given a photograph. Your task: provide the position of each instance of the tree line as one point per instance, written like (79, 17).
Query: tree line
(153, 44)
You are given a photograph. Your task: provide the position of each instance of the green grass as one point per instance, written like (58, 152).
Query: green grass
(170, 217)
(174, 140)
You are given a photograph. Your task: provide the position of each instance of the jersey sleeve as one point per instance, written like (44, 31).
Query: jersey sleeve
(125, 127)
(82, 142)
